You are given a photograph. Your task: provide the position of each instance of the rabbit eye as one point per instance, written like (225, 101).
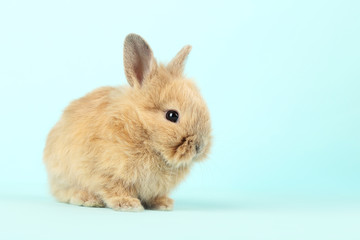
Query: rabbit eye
(172, 115)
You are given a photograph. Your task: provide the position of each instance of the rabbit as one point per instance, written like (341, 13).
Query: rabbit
(127, 147)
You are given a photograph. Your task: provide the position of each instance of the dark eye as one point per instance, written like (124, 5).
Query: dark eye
(172, 115)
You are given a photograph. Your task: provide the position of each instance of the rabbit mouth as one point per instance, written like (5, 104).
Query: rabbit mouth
(184, 152)
(181, 154)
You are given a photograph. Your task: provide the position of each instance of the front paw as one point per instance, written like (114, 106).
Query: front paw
(161, 203)
(125, 204)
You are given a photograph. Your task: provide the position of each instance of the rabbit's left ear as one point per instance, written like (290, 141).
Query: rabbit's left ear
(139, 61)
(177, 64)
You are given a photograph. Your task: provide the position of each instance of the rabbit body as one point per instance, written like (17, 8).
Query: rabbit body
(114, 147)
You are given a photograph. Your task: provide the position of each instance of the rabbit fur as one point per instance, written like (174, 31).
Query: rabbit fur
(115, 148)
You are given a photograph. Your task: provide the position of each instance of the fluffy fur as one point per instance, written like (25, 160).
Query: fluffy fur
(114, 147)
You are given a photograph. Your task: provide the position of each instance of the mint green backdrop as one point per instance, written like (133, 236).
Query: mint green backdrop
(281, 79)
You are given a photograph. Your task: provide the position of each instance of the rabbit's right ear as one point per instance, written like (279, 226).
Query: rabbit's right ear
(139, 61)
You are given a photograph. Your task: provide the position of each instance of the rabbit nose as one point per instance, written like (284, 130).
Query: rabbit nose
(197, 147)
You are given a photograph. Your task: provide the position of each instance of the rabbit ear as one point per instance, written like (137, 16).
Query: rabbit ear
(176, 65)
(139, 62)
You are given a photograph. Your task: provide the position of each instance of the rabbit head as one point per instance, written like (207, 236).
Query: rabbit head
(169, 106)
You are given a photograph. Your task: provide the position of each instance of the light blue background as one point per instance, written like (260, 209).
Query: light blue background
(282, 81)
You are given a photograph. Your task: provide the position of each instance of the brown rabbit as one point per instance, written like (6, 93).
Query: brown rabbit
(127, 147)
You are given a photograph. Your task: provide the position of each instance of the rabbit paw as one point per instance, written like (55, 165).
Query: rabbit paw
(161, 203)
(125, 204)
(83, 198)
